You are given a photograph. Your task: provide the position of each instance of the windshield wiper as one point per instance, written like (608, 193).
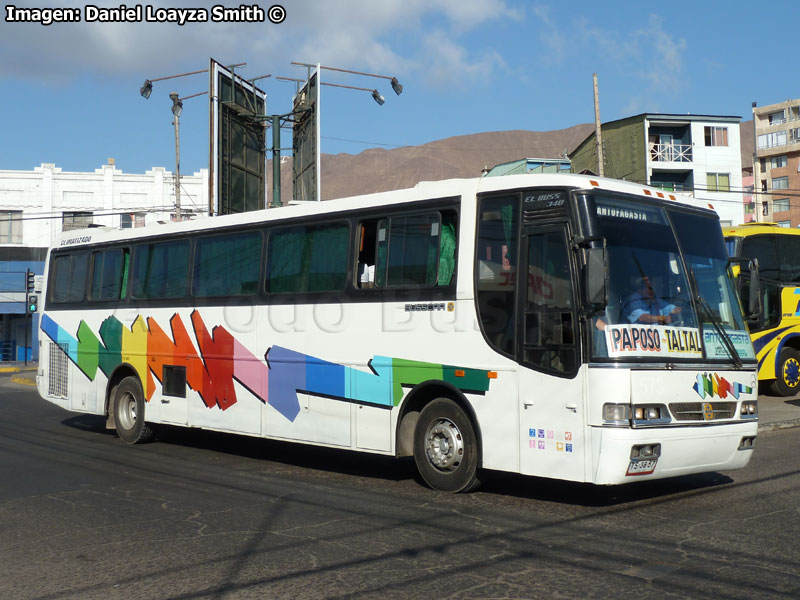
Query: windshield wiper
(709, 314)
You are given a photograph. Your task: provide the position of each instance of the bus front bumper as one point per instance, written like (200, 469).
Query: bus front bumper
(623, 455)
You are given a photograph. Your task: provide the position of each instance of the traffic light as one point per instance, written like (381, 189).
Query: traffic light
(33, 303)
(29, 281)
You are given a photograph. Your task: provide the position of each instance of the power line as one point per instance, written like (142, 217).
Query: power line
(60, 215)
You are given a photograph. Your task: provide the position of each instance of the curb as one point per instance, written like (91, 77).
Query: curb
(9, 369)
(767, 427)
(23, 380)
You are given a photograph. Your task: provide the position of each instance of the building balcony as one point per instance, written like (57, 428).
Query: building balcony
(681, 153)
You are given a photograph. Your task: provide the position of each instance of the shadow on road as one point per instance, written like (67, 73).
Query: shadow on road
(347, 462)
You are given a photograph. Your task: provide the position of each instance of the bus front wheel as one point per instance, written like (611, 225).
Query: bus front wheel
(129, 412)
(446, 448)
(787, 382)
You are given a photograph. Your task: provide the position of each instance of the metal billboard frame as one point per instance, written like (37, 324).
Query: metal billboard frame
(306, 151)
(249, 115)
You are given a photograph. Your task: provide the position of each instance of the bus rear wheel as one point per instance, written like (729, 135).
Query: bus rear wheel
(129, 409)
(787, 382)
(446, 448)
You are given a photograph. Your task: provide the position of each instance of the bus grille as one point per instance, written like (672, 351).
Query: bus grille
(57, 371)
(702, 411)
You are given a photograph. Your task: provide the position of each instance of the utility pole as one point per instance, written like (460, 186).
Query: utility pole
(598, 134)
(177, 107)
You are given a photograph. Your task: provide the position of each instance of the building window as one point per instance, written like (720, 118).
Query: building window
(765, 208)
(777, 118)
(718, 182)
(129, 220)
(794, 135)
(749, 208)
(776, 162)
(716, 136)
(780, 204)
(75, 220)
(780, 183)
(786, 224)
(770, 140)
(10, 226)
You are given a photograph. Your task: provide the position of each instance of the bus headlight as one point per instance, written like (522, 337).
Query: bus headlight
(650, 414)
(749, 409)
(617, 414)
(645, 451)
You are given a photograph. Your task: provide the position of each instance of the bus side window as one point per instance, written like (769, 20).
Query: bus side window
(418, 249)
(308, 258)
(227, 265)
(160, 270)
(109, 274)
(367, 253)
(69, 278)
(495, 270)
(447, 248)
(408, 250)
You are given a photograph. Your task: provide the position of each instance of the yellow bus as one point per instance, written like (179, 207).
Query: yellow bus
(776, 333)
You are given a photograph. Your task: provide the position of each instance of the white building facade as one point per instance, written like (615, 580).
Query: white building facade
(699, 156)
(41, 203)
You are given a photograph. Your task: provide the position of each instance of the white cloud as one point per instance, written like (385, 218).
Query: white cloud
(385, 35)
(447, 65)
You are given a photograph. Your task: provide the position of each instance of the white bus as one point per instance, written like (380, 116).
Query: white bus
(479, 324)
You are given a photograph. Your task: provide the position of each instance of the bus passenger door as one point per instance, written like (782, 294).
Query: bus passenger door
(550, 387)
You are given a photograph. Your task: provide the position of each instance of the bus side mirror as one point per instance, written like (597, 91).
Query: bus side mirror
(755, 305)
(596, 277)
(746, 272)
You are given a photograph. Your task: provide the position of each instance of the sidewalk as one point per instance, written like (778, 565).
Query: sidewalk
(22, 374)
(774, 412)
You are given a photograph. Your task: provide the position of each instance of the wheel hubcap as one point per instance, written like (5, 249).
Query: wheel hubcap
(127, 412)
(791, 373)
(444, 445)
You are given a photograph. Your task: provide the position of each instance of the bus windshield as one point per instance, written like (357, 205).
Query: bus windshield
(670, 291)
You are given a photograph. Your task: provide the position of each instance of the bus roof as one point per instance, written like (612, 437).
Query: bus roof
(747, 229)
(425, 190)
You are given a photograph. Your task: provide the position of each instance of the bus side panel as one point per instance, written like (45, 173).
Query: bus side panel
(769, 343)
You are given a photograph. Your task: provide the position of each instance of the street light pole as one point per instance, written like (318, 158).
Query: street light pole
(177, 106)
(276, 160)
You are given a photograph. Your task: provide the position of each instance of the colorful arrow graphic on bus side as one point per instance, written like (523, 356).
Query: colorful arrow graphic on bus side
(276, 380)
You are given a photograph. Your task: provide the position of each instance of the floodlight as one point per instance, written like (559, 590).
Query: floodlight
(377, 97)
(397, 86)
(177, 105)
(146, 89)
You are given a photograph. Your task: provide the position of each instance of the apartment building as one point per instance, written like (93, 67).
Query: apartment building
(695, 157)
(776, 169)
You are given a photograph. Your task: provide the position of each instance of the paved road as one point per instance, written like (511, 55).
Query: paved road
(207, 515)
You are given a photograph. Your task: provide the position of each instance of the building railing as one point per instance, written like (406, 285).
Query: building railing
(671, 152)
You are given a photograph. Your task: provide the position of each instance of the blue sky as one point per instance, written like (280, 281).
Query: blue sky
(70, 91)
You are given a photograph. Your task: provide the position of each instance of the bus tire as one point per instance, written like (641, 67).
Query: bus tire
(446, 448)
(129, 407)
(787, 382)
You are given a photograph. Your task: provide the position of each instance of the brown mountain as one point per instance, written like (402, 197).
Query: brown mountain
(379, 170)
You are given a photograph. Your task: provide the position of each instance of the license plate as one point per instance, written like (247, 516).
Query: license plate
(642, 467)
